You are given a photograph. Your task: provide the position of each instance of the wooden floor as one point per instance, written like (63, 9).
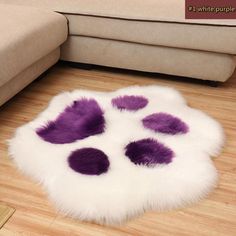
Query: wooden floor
(35, 215)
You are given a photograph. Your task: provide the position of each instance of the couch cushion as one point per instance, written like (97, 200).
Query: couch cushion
(151, 22)
(25, 77)
(201, 37)
(149, 10)
(27, 35)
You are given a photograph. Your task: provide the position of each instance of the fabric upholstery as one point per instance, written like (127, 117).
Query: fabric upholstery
(148, 36)
(182, 62)
(153, 22)
(21, 80)
(200, 37)
(27, 35)
(150, 10)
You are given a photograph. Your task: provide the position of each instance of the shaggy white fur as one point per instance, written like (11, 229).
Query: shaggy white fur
(126, 190)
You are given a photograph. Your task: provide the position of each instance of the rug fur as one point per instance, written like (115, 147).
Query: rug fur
(123, 183)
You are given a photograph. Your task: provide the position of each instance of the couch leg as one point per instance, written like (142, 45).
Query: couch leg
(45, 73)
(213, 83)
(78, 65)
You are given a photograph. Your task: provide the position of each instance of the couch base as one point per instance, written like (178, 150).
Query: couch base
(20, 81)
(181, 62)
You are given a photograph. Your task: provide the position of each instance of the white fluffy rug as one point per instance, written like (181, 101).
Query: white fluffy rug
(107, 157)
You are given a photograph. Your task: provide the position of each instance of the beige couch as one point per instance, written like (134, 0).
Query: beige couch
(29, 45)
(145, 35)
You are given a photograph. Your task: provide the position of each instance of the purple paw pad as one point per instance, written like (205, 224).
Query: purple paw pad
(82, 119)
(131, 103)
(165, 123)
(89, 161)
(148, 152)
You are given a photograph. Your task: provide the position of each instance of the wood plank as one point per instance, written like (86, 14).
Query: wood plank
(5, 213)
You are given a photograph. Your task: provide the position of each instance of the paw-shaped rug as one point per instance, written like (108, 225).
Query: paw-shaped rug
(107, 157)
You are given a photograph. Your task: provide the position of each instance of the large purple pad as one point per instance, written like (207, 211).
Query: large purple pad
(131, 103)
(148, 152)
(78, 121)
(165, 123)
(89, 161)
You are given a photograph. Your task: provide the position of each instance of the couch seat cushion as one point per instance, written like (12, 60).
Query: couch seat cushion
(150, 10)
(27, 35)
(151, 22)
(189, 36)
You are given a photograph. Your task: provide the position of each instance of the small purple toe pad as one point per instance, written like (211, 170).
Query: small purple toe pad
(148, 152)
(130, 103)
(165, 123)
(89, 161)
